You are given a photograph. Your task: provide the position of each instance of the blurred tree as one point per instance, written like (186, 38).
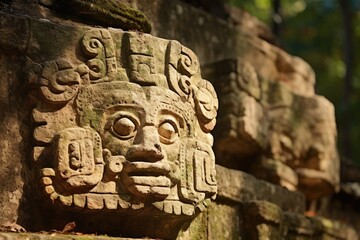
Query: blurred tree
(348, 46)
(276, 18)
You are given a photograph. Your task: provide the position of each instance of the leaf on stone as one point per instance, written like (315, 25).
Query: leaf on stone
(13, 227)
(69, 227)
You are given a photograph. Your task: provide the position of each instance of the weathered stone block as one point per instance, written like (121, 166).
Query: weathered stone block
(13, 136)
(241, 187)
(109, 13)
(274, 132)
(224, 222)
(263, 221)
(14, 32)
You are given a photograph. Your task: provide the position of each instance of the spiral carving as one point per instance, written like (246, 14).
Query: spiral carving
(59, 82)
(92, 46)
(206, 104)
(188, 62)
(181, 68)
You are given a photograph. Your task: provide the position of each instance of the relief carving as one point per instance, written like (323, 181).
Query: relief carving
(126, 132)
(275, 134)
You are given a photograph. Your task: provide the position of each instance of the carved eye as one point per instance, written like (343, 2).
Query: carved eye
(124, 127)
(168, 132)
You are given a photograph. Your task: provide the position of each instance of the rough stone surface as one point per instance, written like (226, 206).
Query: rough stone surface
(11, 137)
(55, 236)
(85, 125)
(246, 23)
(273, 132)
(197, 229)
(343, 206)
(121, 123)
(226, 39)
(171, 19)
(241, 187)
(13, 129)
(105, 12)
(224, 222)
(267, 221)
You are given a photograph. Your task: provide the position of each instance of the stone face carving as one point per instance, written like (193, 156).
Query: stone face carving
(125, 127)
(273, 132)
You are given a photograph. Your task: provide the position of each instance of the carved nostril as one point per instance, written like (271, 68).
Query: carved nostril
(158, 147)
(145, 153)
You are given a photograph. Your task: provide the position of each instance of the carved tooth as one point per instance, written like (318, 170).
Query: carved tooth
(111, 202)
(49, 189)
(159, 205)
(123, 204)
(95, 202)
(66, 200)
(188, 209)
(80, 200)
(37, 151)
(54, 196)
(177, 208)
(46, 181)
(43, 134)
(49, 172)
(168, 207)
(201, 207)
(137, 206)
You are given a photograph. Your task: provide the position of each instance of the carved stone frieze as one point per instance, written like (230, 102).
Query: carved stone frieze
(125, 126)
(270, 131)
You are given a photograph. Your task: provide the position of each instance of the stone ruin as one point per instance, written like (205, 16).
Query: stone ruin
(108, 128)
(285, 137)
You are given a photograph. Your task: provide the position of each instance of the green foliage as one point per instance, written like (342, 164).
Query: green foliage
(313, 30)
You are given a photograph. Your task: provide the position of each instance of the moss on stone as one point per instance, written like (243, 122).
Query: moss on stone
(108, 12)
(91, 118)
(196, 230)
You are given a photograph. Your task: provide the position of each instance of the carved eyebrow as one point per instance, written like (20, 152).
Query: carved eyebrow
(183, 110)
(126, 106)
(179, 117)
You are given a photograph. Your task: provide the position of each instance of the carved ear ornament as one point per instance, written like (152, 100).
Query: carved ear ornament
(183, 74)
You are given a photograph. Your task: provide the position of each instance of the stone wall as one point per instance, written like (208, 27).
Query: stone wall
(270, 123)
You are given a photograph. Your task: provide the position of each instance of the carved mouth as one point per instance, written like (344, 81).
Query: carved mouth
(148, 178)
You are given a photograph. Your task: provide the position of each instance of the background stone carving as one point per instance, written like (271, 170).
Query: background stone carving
(284, 136)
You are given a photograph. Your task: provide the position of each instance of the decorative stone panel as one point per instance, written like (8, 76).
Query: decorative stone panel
(120, 124)
(125, 128)
(274, 133)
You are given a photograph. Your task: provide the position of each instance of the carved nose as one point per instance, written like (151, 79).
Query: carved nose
(146, 147)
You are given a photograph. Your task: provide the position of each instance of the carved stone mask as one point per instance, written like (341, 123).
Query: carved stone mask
(128, 128)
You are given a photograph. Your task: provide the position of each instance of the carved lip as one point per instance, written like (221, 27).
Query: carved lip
(150, 169)
(148, 177)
